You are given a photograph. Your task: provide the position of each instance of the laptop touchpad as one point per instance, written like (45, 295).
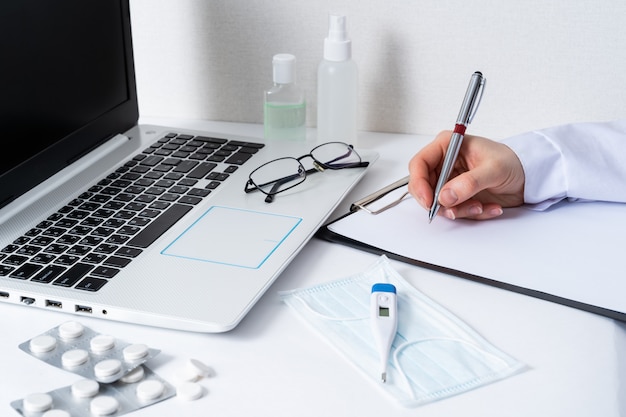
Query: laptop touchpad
(233, 236)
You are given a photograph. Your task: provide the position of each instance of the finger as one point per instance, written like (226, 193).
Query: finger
(473, 210)
(465, 186)
(422, 192)
(425, 163)
(423, 169)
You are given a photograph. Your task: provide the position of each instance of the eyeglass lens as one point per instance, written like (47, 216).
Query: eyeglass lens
(284, 173)
(335, 155)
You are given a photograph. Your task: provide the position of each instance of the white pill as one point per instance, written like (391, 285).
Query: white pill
(189, 391)
(150, 390)
(56, 413)
(85, 388)
(107, 367)
(135, 352)
(133, 376)
(200, 368)
(75, 357)
(37, 402)
(104, 405)
(71, 330)
(102, 343)
(42, 344)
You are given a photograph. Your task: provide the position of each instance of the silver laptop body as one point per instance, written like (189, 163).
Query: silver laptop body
(206, 271)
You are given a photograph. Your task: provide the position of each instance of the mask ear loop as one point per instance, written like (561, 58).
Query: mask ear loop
(404, 345)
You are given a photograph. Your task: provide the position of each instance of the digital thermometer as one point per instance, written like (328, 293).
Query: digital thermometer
(384, 321)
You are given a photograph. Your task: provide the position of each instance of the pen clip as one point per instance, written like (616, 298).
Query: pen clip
(477, 101)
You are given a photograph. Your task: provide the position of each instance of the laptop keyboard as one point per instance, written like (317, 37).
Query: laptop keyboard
(89, 240)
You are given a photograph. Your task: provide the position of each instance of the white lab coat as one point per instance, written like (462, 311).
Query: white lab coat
(580, 161)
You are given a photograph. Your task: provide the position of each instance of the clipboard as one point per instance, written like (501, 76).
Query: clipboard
(570, 254)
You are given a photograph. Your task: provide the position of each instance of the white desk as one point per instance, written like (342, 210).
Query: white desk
(273, 365)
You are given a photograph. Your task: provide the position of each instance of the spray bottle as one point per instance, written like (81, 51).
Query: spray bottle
(337, 86)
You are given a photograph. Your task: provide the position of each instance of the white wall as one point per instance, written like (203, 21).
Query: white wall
(546, 61)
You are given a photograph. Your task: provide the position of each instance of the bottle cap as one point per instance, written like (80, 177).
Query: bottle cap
(284, 66)
(337, 46)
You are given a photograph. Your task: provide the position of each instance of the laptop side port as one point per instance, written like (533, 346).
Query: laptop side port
(27, 300)
(82, 309)
(54, 304)
(4, 294)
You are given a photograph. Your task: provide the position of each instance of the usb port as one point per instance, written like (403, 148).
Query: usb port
(4, 294)
(55, 304)
(82, 309)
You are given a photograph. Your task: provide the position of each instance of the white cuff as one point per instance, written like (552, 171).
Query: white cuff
(543, 166)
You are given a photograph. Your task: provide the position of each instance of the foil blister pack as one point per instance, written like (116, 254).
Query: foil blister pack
(80, 350)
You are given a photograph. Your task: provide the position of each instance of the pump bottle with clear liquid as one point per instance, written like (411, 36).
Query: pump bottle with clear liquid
(285, 105)
(337, 87)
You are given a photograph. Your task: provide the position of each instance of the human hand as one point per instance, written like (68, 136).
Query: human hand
(486, 177)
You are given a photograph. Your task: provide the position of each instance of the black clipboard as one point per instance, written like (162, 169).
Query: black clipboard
(325, 233)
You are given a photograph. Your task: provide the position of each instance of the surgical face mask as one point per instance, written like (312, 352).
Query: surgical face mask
(434, 355)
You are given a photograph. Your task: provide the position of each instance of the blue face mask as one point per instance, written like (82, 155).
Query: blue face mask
(434, 354)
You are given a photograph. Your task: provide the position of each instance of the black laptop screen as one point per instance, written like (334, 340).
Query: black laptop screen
(67, 85)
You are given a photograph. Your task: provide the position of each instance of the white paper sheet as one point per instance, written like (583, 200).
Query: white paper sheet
(573, 250)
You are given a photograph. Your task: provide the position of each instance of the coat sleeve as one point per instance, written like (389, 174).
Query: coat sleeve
(581, 161)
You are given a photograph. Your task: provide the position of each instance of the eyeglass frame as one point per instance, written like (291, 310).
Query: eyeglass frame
(318, 166)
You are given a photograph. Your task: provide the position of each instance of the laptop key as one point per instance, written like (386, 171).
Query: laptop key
(48, 274)
(15, 260)
(105, 272)
(91, 284)
(25, 271)
(5, 270)
(159, 226)
(201, 170)
(43, 258)
(73, 275)
(128, 252)
(67, 259)
(190, 200)
(10, 248)
(152, 161)
(238, 158)
(94, 258)
(117, 261)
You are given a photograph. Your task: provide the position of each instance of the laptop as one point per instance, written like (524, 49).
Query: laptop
(105, 218)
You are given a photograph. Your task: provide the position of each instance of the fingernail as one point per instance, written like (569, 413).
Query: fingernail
(448, 197)
(420, 201)
(449, 214)
(495, 212)
(475, 210)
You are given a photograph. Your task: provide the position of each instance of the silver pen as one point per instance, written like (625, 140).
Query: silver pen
(466, 115)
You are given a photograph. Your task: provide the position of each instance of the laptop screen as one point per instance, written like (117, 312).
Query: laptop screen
(67, 85)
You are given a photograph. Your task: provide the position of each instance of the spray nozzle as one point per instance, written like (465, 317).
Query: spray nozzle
(337, 46)
(337, 28)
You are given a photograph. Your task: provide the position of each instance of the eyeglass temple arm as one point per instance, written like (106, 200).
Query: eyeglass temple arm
(277, 183)
(348, 165)
(345, 155)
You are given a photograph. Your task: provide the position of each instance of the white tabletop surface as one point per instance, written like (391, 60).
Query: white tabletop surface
(271, 364)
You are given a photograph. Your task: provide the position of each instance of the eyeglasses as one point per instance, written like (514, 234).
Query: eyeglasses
(281, 174)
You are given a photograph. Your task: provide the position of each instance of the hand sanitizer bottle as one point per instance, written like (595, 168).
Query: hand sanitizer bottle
(337, 85)
(285, 106)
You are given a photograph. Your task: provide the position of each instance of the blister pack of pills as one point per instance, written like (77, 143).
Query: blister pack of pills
(88, 398)
(80, 350)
